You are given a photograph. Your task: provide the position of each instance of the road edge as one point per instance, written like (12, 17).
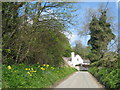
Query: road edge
(57, 83)
(102, 86)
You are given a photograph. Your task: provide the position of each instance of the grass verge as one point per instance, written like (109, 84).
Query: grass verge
(33, 76)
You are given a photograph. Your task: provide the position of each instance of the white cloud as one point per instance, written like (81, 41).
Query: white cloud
(117, 0)
(72, 37)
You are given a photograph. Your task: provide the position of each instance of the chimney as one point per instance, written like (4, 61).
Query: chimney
(72, 55)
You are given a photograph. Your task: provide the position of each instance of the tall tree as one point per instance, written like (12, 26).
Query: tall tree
(101, 34)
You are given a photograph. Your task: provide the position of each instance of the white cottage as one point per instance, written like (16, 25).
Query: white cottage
(77, 62)
(76, 59)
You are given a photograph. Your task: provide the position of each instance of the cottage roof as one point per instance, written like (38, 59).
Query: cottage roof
(86, 61)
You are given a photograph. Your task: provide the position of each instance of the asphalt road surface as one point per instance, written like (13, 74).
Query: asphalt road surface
(81, 79)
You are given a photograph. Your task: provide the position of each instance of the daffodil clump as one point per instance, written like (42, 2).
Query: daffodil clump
(30, 71)
(33, 76)
(9, 67)
(42, 68)
(46, 65)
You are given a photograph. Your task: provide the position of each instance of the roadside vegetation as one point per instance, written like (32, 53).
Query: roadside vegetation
(34, 32)
(33, 76)
(102, 50)
(107, 76)
(104, 62)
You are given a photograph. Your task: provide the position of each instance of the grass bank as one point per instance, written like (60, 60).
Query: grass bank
(33, 76)
(107, 76)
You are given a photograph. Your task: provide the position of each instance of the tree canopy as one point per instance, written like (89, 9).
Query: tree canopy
(33, 32)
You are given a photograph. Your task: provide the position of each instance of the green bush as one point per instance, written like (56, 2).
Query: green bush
(101, 73)
(108, 77)
(112, 80)
(93, 70)
(34, 76)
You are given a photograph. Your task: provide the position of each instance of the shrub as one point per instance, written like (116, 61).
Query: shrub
(112, 80)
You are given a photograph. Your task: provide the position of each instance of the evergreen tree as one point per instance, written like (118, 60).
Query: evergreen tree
(101, 34)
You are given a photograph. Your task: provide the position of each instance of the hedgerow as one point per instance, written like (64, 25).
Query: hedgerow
(108, 77)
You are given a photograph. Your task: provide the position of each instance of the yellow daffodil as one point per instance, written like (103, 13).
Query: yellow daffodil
(47, 65)
(26, 69)
(44, 64)
(9, 67)
(28, 72)
(32, 71)
(42, 68)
